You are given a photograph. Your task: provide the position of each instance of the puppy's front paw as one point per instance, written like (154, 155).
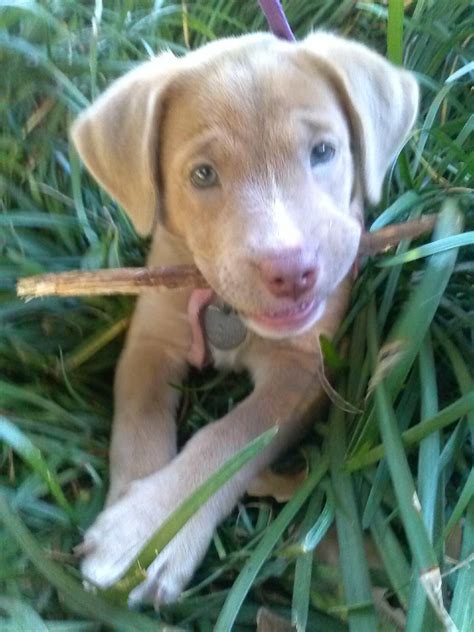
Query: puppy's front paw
(123, 529)
(173, 568)
(116, 537)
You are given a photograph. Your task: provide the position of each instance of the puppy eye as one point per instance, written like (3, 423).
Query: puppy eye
(204, 176)
(321, 153)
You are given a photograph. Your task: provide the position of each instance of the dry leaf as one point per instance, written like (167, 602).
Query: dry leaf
(395, 616)
(454, 543)
(38, 115)
(267, 621)
(432, 583)
(280, 486)
(331, 392)
(389, 355)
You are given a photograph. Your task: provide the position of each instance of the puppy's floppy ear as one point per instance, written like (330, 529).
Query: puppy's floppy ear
(117, 138)
(383, 100)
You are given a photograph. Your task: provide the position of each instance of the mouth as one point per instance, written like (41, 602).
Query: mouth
(289, 320)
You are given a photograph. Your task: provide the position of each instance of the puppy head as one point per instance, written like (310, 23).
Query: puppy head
(259, 155)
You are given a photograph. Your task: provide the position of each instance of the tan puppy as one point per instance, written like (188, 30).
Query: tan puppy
(252, 158)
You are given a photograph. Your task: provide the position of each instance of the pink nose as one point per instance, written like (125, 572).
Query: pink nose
(287, 275)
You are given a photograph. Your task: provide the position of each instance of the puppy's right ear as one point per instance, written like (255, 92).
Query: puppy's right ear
(381, 98)
(117, 138)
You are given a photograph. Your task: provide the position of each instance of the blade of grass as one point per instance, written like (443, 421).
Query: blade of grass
(75, 170)
(392, 556)
(416, 317)
(424, 556)
(465, 497)
(404, 411)
(428, 455)
(71, 591)
(21, 616)
(404, 204)
(95, 343)
(395, 31)
(423, 303)
(321, 526)
(462, 604)
(461, 371)
(37, 56)
(244, 581)
(9, 393)
(419, 616)
(435, 247)
(303, 570)
(317, 532)
(352, 557)
(416, 433)
(25, 448)
(428, 124)
(453, 445)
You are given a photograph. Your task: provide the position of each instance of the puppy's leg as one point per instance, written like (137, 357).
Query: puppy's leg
(284, 385)
(154, 358)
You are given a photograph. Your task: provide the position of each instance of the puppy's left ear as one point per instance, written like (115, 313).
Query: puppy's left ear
(382, 101)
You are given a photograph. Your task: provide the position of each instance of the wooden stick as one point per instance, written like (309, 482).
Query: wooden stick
(381, 240)
(134, 280)
(107, 282)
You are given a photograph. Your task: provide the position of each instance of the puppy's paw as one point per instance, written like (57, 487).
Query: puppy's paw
(121, 531)
(174, 567)
(116, 537)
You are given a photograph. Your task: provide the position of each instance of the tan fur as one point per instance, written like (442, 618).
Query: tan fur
(252, 107)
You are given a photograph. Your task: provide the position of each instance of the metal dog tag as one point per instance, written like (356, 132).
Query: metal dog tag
(224, 328)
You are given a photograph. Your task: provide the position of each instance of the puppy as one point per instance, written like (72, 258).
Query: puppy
(252, 158)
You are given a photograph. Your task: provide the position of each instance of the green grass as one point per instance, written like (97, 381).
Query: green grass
(410, 329)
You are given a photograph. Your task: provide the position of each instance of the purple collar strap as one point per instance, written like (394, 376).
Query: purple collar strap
(276, 19)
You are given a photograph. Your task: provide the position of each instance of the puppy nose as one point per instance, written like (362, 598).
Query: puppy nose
(287, 275)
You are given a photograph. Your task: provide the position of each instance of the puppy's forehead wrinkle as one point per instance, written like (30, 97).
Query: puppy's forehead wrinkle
(250, 87)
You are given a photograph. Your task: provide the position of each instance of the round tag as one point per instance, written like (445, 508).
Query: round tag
(224, 328)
